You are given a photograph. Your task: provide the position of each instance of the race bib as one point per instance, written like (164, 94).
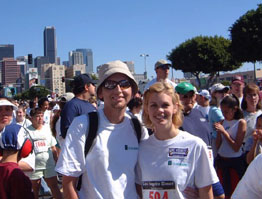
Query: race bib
(160, 190)
(210, 154)
(40, 146)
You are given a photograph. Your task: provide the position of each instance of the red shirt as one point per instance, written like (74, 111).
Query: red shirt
(14, 183)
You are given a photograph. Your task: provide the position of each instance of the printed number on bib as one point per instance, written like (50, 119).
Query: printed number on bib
(159, 190)
(40, 146)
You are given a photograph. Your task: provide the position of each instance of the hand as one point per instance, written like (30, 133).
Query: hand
(257, 134)
(219, 127)
(191, 192)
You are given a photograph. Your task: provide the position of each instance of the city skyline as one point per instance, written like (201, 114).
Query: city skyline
(116, 29)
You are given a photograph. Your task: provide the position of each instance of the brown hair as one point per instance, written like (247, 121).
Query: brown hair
(160, 87)
(36, 111)
(247, 90)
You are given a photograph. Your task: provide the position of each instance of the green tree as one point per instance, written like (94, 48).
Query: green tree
(38, 91)
(203, 54)
(246, 36)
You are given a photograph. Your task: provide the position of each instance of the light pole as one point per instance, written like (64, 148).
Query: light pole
(145, 56)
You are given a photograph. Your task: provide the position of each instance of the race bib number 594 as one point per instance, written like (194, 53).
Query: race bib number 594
(159, 190)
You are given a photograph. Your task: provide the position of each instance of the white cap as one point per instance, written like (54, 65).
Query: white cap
(218, 87)
(5, 102)
(205, 93)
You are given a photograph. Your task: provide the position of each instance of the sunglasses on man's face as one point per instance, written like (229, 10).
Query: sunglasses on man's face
(188, 95)
(111, 84)
(164, 67)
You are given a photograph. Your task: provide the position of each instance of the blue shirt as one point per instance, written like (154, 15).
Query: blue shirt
(215, 115)
(72, 109)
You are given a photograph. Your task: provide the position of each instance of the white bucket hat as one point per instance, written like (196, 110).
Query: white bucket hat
(113, 67)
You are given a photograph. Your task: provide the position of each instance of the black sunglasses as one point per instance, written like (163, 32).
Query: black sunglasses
(111, 84)
(188, 95)
(164, 67)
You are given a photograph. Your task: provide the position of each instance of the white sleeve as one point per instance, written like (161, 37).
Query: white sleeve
(250, 186)
(71, 161)
(30, 160)
(205, 172)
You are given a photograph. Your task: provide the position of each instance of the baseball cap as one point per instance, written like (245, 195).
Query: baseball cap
(238, 78)
(81, 80)
(205, 93)
(184, 87)
(218, 87)
(162, 62)
(5, 102)
(13, 137)
(110, 68)
(67, 96)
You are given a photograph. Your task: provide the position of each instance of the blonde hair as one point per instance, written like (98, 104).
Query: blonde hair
(162, 87)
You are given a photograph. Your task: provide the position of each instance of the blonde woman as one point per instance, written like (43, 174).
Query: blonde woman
(171, 161)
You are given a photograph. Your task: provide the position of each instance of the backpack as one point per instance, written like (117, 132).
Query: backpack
(92, 132)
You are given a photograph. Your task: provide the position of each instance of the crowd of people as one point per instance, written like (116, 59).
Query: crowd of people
(107, 140)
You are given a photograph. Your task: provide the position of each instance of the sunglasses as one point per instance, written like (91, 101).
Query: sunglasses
(164, 67)
(111, 84)
(188, 95)
(221, 91)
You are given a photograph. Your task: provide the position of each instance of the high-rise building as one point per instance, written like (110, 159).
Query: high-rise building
(39, 61)
(50, 49)
(10, 71)
(6, 51)
(75, 58)
(88, 59)
(73, 71)
(53, 74)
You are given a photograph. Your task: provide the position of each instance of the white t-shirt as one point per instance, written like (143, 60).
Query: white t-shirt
(251, 119)
(43, 141)
(47, 117)
(183, 160)
(250, 186)
(109, 168)
(25, 123)
(155, 80)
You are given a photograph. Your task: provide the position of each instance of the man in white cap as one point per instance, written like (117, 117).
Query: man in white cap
(162, 71)
(203, 98)
(108, 170)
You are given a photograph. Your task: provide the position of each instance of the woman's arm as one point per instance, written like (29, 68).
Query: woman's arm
(234, 143)
(206, 192)
(55, 154)
(252, 153)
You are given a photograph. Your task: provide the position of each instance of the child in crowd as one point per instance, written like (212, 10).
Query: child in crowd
(230, 135)
(14, 143)
(255, 142)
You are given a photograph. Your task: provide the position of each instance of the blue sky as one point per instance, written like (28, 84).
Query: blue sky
(117, 29)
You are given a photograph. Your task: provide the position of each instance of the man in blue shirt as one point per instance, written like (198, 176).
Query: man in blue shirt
(83, 88)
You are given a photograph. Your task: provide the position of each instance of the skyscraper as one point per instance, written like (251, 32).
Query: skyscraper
(88, 59)
(50, 43)
(75, 58)
(6, 51)
(10, 71)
